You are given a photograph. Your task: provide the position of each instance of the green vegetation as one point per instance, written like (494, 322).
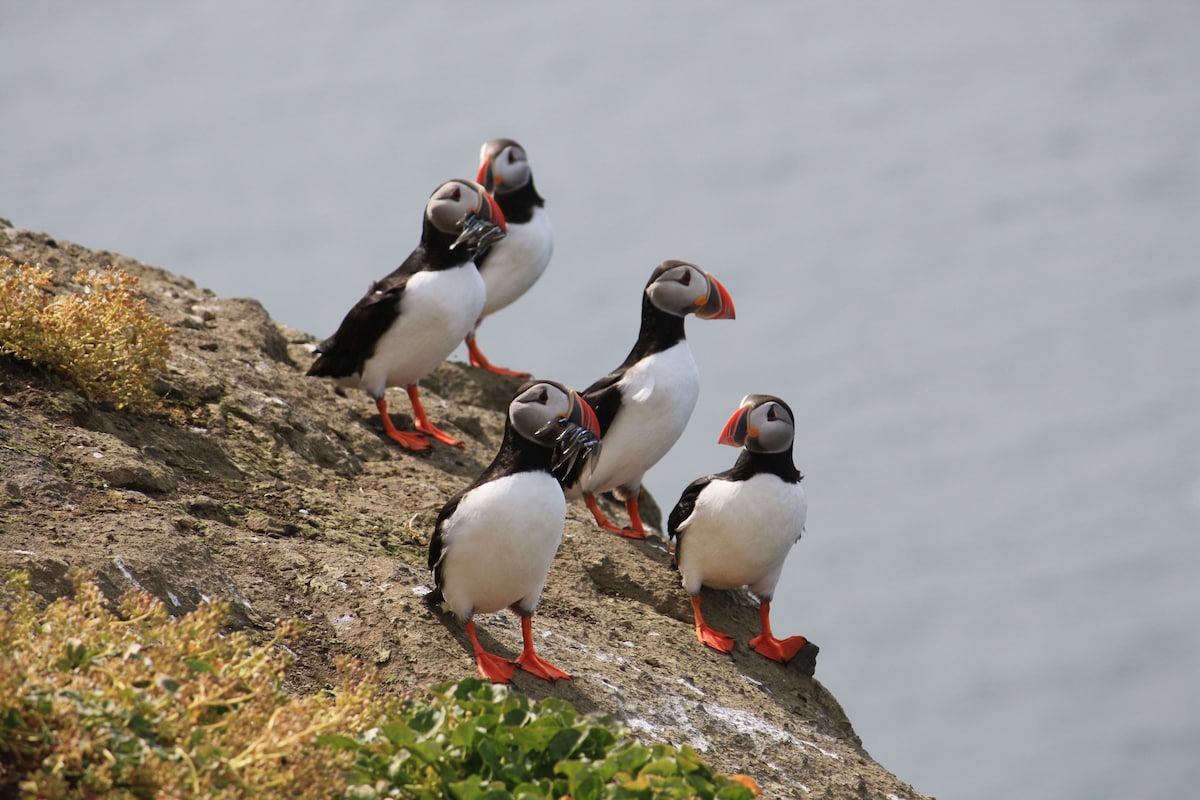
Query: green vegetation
(477, 741)
(101, 337)
(133, 703)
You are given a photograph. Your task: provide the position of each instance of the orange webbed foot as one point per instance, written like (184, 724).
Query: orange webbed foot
(492, 667)
(408, 440)
(539, 668)
(429, 429)
(510, 373)
(477, 359)
(714, 639)
(707, 636)
(635, 532)
(495, 668)
(530, 661)
(781, 650)
(421, 420)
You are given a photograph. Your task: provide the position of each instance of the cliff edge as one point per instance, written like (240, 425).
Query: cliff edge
(257, 485)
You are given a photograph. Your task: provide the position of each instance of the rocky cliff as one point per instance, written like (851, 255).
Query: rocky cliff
(255, 484)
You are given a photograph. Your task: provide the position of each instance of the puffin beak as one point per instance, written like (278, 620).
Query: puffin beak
(717, 304)
(484, 226)
(495, 214)
(575, 437)
(737, 429)
(487, 174)
(582, 414)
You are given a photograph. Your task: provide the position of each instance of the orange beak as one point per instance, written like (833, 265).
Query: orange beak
(717, 304)
(487, 174)
(738, 429)
(482, 226)
(582, 414)
(497, 216)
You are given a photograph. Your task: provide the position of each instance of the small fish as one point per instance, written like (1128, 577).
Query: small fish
(574, 446)
(478, 231)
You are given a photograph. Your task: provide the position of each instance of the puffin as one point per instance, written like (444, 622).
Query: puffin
(409, 321)
(510, 267)
(644, 404)
(493, 542)
(736, 527)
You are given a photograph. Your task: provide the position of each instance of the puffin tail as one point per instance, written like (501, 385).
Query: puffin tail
(331, 363)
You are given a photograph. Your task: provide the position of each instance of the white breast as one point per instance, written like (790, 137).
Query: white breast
(658, 396)
(515, 262)
(739, 534)
(437, 311)
(500, 542)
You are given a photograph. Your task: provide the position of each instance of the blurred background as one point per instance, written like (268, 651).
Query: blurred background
(963, 240)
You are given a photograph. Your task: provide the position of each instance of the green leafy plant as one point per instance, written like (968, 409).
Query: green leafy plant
(101, 337)
(477, 741)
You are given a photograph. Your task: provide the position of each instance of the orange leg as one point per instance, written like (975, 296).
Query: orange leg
(478, 359)
(636, 532)
(531, 662)
(492, 667)
(707, 636)
(765, 644)
(635, 518)
(409, 441)
(422, 423)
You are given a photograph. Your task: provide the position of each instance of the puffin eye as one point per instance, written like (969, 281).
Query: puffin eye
(543, 396)
(686, 279)
(771, 416)
(512, 156)
(456, 194)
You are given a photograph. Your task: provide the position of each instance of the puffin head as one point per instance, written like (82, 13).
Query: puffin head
(762, 424)
(503, 166)
(680, 288)
(541, 411)
(464, 209)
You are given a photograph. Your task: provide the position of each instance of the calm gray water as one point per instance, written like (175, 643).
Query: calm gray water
(963, 240)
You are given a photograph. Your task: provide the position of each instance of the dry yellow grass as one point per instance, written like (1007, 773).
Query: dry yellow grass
(100, 337)
(141, 704)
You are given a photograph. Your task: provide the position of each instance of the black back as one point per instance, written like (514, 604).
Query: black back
(518, 206)
(344, 353)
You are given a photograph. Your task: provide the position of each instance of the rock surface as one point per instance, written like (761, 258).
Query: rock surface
(262, 487)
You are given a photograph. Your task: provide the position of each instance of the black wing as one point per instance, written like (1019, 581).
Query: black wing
(682, 510)
(604, 396)
(686, 505)
(344, 353)
(436, 549)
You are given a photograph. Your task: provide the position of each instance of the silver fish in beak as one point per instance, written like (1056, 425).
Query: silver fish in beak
(483, 226)
(576, 440)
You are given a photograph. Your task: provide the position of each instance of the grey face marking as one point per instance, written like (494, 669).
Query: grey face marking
(535, 408)
(772, 422)
(451, 204)
(677, 289)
